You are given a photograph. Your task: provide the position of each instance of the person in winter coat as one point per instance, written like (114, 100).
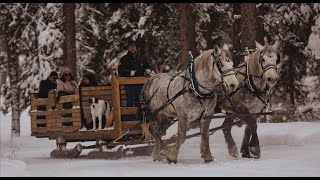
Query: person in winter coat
(66, 85)
(88, 80)
(48, 84)
(133, 65)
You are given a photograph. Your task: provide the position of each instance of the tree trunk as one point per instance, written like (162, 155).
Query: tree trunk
(260, 32)
(4, 54)
(70, 58)
(248, 25)
(237, 34)
(187, 33)
(14, 72)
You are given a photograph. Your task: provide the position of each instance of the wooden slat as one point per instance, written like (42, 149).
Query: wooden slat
(69, 98)
(39, 130)
(40, 101)
(128, 110)
(66, 111)
(96, 88)
(129, 124)
(73, 120)
(107, 98)
(40, 113)
(132, 80)
(80, 135)
(95, 93)
(65, 129)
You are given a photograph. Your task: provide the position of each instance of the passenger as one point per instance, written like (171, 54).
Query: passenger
(88, 80)
(133, 65)
(45, 86)
(66, 86)
(48, 84)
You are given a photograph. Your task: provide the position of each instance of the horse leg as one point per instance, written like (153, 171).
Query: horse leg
(250, 127)
(232, 147)
(254, 146)
(205, 148)
(172, 152)
(157, 145)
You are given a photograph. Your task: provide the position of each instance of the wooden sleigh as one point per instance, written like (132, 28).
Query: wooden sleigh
(50, 120)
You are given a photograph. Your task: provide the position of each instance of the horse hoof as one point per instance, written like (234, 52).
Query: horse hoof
(255, 156)
(208, 161)
(233, 151)
(246, 155)
(255, 152)
(171, 161)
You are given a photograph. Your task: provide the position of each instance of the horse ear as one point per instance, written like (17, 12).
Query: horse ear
(276, 45)
(259, 46)
(216, 49)
(225, 47)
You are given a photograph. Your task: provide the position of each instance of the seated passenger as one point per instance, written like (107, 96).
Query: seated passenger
(48, 84)
(66, 85)
(45, 86)
(88, 80)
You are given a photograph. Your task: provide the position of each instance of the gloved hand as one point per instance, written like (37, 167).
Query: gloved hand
(133, 72)
(148, 71)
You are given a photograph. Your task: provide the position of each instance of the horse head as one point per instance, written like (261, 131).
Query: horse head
(223, 69)
(265, 61)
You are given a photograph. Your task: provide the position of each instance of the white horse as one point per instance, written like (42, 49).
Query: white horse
(199, 86)
(256, 77)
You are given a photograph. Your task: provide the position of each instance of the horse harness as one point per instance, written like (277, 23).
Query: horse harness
(250, 87)
(193, 89)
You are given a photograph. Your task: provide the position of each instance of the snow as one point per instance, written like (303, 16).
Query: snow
(287, 149)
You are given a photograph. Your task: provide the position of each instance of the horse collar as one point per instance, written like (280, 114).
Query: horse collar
(252, 89)
(194, 86)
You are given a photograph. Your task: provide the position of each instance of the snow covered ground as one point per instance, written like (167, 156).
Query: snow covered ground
(287, 149)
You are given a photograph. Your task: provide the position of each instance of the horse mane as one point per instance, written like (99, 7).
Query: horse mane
(201, 61)
(253, 63)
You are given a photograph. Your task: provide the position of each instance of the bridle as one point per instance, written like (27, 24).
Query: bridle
(194, 85)
(267, 66)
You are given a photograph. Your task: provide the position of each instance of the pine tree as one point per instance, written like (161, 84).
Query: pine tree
(291, 23)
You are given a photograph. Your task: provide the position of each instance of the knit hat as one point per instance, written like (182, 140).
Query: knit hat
(54, 73)
(65, 70)
(131, 43)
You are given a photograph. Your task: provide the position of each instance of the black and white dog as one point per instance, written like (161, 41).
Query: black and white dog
(98, 109)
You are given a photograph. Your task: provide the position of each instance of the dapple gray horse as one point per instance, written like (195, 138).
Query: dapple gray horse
(198, 86)
(256, 77)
